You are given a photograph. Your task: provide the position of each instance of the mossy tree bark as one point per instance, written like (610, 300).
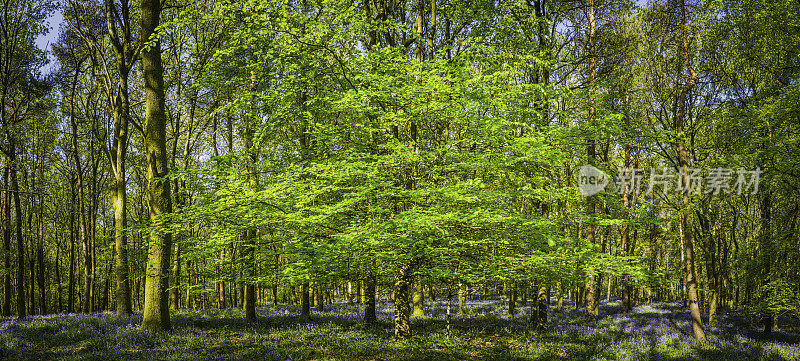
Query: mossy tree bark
(402, 309)
(542, 301)
(156, 296)
(122, 44)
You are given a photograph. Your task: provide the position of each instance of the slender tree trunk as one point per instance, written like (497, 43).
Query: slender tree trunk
(623, 249)
(121, 43)
(59, 288)
(176, 276)
(320, 296)
(71, 273)
(768, 318)
(21, 308)
(712, 309)
(306, 302)
(560, 296)
(41, 274)
(107, 288)
(369, 300)
(462, 297)
(81, 197)
(350, 294)
(250, 239)
(592, 278)
(7, 291)
(534, 316)
(362, 295)
(683, 163)
(31, 290)
(156, 304)
(221, 297)
(119, 203)
(512, 298)
(12, 162)
(92, 225)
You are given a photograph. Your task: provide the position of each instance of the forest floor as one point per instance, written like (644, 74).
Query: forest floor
(658, 331)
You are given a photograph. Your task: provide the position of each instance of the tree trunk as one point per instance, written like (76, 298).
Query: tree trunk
(369, 300)
(560, 296)
(81, 197)
(768, 318)
(7, 291)
(31, 291)
(156, 304)
(71, 273)
(221, 297)
(252, 178)
(712, 308)
(107, 289)
(60, 290)
(592, 278)
(512, 299)
(683, 162)
(418, 299)
(362, 294)
(402, 310)
(119, 196)
(534, 316)
(305, 301)
(462, 297)
(320, 296)
(41, 279)
(12, 159)
(40, 276)
(542, 301)
(176, 277)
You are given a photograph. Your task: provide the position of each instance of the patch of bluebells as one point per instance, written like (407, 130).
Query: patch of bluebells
(659, 331)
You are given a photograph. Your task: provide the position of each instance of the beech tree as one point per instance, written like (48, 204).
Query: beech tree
(156, 298)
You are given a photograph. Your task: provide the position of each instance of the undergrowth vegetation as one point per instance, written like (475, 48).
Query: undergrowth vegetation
(486, 332)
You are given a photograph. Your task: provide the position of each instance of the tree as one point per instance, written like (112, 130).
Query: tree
(20, 89)
(156, 304)
(683, 164)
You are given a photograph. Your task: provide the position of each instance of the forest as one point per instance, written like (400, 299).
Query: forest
(400, 179)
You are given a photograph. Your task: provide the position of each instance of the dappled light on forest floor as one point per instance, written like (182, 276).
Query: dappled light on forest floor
(658, 331)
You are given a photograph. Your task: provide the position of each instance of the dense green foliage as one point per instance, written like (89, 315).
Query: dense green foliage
(318, 149)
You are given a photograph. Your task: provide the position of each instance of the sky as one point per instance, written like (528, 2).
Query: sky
(44, 41)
